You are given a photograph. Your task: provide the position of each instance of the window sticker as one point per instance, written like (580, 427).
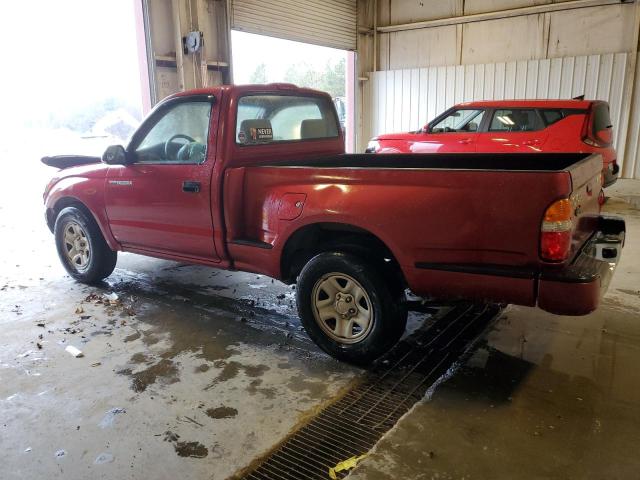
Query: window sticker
(261, 134)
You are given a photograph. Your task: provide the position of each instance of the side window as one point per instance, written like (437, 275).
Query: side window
(464, 120)
(516, 120)
(178, 136)
(551, 116)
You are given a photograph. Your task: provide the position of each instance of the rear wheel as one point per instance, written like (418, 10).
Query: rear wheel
(82, 249)
(348, 309)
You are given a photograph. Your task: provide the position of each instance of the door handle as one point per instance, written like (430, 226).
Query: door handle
(531, 142)
(465, 141)
(191, 187)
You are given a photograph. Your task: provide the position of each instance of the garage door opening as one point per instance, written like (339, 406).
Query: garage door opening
(262, 59)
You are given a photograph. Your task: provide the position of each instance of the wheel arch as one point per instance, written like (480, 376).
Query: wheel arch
(64, 202)
(312, 239)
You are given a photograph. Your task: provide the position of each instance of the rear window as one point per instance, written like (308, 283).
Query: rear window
(271, 118)
(515, 120)
(601, 119)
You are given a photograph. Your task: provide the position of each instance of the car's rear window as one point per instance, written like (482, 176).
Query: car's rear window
(271, 118)
(601, 118)
(515, 120)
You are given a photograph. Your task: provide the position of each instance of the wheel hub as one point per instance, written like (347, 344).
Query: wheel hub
(345, 305)
(76, 246)
(342, 308)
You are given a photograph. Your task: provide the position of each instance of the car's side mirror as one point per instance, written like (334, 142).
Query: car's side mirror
(426, 129)
(115, 155)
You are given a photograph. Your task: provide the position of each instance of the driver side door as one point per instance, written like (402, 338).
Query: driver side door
(161, 203)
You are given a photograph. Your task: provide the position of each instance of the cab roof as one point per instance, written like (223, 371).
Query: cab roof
(581, 104)
(257, 88)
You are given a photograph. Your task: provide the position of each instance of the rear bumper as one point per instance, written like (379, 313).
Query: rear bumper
(574, 290)
(610, 174)
(578, 288)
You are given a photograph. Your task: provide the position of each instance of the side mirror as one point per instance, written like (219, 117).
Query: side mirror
(115, 155)
(426, 128)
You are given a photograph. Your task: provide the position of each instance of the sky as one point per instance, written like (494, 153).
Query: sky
(64, 53)
(250, 50)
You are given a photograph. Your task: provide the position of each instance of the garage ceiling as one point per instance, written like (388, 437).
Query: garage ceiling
(330, 23)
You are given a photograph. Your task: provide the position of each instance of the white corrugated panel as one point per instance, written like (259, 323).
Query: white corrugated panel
(434, 89)
(330, 23)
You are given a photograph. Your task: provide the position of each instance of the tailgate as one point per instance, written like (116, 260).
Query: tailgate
(576, 285)
(585, 199)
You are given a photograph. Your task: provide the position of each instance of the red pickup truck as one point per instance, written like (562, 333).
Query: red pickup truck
(254, 178)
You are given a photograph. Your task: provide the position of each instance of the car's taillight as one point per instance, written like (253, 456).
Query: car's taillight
(592, 142)
(556, 231)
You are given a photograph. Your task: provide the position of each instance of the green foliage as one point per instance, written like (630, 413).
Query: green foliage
(259, 75)
(331, 79)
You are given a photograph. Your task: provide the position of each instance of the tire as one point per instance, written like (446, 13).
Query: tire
(373, 318)
(82, 249)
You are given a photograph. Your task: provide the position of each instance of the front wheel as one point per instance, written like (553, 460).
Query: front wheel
(82, 249)
(348, 309)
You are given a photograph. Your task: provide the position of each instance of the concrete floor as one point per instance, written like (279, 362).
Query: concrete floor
(194, 373)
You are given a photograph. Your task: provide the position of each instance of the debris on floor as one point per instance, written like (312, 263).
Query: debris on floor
(112, 299)
(345, 466)
(74, 351)
(103, 458)
(110, 416)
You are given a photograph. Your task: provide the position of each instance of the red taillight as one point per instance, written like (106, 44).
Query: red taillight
(555, 246)
(556, 230)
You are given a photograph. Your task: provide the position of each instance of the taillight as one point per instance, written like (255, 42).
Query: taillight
(592, 142)
(556, 230)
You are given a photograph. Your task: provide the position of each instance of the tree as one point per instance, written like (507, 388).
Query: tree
(330, 80)
(259, 75)
(333, 79)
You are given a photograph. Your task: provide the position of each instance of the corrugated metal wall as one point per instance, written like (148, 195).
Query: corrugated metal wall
(403, 100)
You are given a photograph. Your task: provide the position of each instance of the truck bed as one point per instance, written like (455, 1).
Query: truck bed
(457, 224)
(540, 162)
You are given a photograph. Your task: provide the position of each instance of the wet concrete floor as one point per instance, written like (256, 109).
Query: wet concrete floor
(194, 373)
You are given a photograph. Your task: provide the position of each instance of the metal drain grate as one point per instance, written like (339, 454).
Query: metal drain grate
(354, 424)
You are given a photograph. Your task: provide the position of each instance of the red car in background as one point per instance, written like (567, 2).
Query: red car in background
(508, 126)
